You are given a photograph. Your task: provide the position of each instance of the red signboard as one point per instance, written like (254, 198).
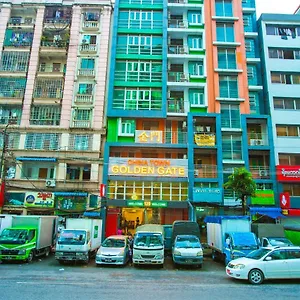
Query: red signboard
(285, 200)
(288, 173)
(2, 193)
(294, 212)
(102, 190)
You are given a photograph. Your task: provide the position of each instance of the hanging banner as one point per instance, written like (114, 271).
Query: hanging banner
(202, 139)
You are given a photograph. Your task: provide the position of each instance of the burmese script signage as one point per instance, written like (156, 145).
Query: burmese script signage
(288, 173)
(148, 167)
(203, 139)
(39, 199)
(148, 136)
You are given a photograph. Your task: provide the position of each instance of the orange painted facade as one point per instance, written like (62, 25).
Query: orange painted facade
(212, 57)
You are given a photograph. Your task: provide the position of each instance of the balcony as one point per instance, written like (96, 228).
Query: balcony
(204, 139)
(83, 99)
(4, 120)
(88, 48)
(160, 137)
(139, 50)
(58, 23)
(56, 49)
(178, 77)
(91, 25)
(21, 22)
(175, 23)
(230, 123)
(178, 49)
(260, 172)
(136, 76)
(49, 71)
(48, 89)
(81, 124)
(175, 105)
(86, 72)
(137, 104)
(205, 171)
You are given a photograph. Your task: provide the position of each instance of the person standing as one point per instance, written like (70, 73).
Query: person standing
(137, 222)
(130, 246)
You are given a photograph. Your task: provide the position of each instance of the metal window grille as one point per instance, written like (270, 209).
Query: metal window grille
(45, 115)
(14, 61)
(82, 142)
(42, 141)
(12, 87)
(13, 139)
(48, 88)
(10, 113)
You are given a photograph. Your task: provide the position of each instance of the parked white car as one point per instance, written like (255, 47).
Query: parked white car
(266, 263)
(113, 251)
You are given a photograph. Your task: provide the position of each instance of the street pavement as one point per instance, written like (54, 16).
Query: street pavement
(46, 279)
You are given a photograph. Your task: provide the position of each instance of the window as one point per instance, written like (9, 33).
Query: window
(78, 172)
(224, 8)
(12, 87)
(284, 53)
(42, 141)
(226, 58)
(45, 115)
(225, 32)
(87, 63)
(196, 68)
(48, 88)
(195, 42)
(232, 146)
(292, 189)
(80, 142)
(38, 170)
(85, 89)
(289, 159)
(194, 18)
(282, 30)
(286, 103)
(228, 86)
(230, 116)
(254, 102)
(287, 130)
(196, 97)
(285, 78)
(89, 39)
(14, 61)
(126, 127)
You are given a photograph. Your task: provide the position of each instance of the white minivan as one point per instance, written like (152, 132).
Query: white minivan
(266, 263)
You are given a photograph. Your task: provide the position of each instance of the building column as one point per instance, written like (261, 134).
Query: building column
(33, 66)
(66, 111)
(99, 108)
(4, 17)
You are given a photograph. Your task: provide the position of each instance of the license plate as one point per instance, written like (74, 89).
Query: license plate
(189, 261)
(8, 257)
(147, 260)
(108, 259)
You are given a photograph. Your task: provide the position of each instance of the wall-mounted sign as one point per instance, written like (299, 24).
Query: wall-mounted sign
(288, 173)
(285, 200)
(75, 203)
(148, 136)
(39, 199)
(154, 204)
(148, 167)
(263, 197)
(211, 195)
(203, 139)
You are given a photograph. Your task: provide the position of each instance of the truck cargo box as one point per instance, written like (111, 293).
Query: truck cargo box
(267, 230)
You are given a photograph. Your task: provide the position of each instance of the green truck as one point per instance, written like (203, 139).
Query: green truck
(28, 237)
(293, 234)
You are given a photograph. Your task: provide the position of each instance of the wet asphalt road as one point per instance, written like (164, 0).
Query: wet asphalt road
(46, 279)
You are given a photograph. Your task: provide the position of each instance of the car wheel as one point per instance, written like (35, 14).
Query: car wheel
(213, 256)
(30, 257)
(47, 252)
(256, 276)
(200, 266)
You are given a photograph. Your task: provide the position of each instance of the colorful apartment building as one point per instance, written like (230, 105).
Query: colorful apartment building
(52, 90)
(185, 107)
(280, 51)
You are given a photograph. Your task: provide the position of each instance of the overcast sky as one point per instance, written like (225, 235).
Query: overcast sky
(276, 6)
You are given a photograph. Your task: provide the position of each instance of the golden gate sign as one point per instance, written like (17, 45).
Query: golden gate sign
(148, 167)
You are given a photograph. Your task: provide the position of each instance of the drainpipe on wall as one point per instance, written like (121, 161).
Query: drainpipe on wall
(192, 215)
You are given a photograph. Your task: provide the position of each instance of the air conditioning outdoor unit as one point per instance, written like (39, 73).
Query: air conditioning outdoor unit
(196, 173)
(263, 173)
(258, 142)
(50, 182)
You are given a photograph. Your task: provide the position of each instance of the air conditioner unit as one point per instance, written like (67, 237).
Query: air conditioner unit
(258, 142)
(263, 173)
(28, 21)
(50, 182)
(196, 173)
(182, 50)
(181, 25)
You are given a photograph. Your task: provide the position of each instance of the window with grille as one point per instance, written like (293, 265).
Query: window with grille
(85, 88)
(12, 87)
(42, 141)
(48, 88)
(10, 114)
(78, 172)
(82, 114)
(14, 61)
(12, 140)
(82, 142)
(45, 115)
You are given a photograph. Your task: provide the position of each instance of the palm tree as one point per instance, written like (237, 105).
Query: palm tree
(242, 184)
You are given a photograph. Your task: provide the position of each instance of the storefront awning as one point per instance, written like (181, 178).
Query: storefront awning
(272, 212)
(28, 158)
(68, 194)
(91, 214)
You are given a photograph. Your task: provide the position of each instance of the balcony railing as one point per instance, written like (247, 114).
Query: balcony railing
(138, 76)
(227, 65)
(90, 25)
(86, 72)
(81, 124)
(178, 77)
(139, 49)
(176, 105)
(175, 23)
(62, 21)
(137, 104)
(248, 4)
(49, 69)
(226, 92)
(140, 24)
(10, 120)
(58, 44)
(82, 98)
(90, 48)
(178, 49)
(43, 122)
(16, 93)
(260, 172)
(230, 122)
(205, 171)
(178, 1)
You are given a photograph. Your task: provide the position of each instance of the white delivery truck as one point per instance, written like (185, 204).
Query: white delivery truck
(79, 241)
(148, 245)
(230, 237)
(28, 237)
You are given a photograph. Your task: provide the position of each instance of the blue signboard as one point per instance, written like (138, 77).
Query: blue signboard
(207, 195)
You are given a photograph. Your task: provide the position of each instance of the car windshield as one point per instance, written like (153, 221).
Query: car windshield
(148, 240)
(280, 242)
(187, 242)
(13, 236)
(258, 254)
(72, 237)
(113, 243)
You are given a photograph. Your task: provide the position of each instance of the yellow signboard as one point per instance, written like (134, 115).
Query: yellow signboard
(202, 139)
(148, 136)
